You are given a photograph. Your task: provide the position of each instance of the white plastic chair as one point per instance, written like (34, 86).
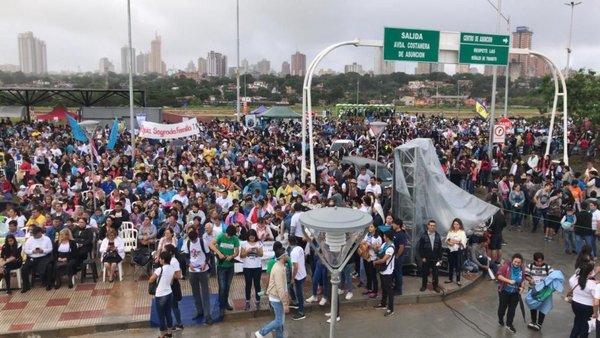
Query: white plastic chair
(129, 237)
(120, 268)
(126, 226)
(18, 275)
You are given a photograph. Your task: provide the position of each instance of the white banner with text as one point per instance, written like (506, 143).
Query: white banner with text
(168, 131)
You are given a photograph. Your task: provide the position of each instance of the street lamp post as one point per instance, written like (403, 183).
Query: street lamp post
(237, 70)
(335, 234)
(572, 4)
(131, 119)
(377, 128)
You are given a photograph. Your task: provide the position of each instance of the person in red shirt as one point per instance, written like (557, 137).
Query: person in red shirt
(7, 188)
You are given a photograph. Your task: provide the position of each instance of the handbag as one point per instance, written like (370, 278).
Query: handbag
(154, 285)
(176, 288)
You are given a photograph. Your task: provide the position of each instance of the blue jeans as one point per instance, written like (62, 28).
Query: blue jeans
(398, 273)
(277, 323)
(537, 215)
(517, 216)
(299, 294)
(176, 311)
(346, 280)
(320, 276)
(163, 309)
(224, 277)
(589, 239)
(569, 239)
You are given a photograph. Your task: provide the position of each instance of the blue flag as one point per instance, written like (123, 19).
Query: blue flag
(112, 139)
(78, 133)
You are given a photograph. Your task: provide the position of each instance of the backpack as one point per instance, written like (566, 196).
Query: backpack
(546, 291)
(207, 255)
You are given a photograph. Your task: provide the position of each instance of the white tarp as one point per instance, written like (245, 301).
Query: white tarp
(422, 191)
(168, 131)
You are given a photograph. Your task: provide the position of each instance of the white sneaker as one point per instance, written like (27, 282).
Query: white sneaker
(329, 320)
(341, 292)
(323, 301)
(349, 295)
(312, 299)
(258, 335)
(327, 314)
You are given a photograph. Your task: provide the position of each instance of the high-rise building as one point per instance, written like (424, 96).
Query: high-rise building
(191, 67)
(142, 63)
(463, 68)
(428, 68)
(156, 56)
(285, 68)
(10, 68)
(105, 66)
(298, 64)
(383, 67)
(524, 65)
(353, 68)
(202, 67)
(32, 54)
(125, 60)
(245, 67)
(216, 64)
(263, 67)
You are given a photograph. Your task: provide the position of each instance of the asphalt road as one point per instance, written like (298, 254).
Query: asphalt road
(472, 314)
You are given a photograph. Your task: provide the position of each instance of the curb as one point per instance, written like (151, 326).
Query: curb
(425, 298)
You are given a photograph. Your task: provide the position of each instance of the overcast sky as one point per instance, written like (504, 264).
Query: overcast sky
(78, 33)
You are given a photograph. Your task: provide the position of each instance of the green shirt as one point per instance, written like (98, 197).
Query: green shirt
(272, 261)
(226, 247)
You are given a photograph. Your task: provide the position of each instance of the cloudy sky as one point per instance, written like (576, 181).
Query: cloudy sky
(79, 32)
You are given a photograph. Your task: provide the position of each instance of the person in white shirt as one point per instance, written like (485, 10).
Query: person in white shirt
(181, 197)
(373, 187)
(298, 275)
(197, 257)
(175, 286)
(164, 276)
(251, 253)
(362, 180)
(223, 200)
(385, 265)
(582, 286)
(457, 242)
(112, 252)
(39, 259)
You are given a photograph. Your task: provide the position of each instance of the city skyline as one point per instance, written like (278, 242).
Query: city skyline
(265, 23)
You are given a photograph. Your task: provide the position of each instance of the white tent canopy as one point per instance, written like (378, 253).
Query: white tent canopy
(13, 111)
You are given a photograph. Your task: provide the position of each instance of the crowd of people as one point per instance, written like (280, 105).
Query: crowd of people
(201, 204)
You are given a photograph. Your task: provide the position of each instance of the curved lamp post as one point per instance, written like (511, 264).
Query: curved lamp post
(377, 128)
(335, 234)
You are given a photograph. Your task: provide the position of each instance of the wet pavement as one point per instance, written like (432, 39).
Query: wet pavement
(468, 314)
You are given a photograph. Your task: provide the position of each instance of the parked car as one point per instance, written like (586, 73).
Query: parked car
(383, 173)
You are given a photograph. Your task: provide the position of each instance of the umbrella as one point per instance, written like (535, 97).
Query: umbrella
(522, 306)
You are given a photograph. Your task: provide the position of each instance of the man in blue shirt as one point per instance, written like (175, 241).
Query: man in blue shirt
(109, 185)
(400, 245)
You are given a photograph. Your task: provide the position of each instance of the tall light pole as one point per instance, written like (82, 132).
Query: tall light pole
(131, 119)
(237, 75)
(494, 82)
(572, 4)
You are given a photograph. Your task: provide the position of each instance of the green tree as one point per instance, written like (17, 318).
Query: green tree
(583, 93)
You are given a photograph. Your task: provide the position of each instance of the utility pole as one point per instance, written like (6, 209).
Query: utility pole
(494, 82)
(572, 4)
(237, 72)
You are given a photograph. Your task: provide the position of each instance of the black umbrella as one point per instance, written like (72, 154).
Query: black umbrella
(522, 306)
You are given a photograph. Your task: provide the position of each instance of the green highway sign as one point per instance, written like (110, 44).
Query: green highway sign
(484, 49)
(402, 44)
